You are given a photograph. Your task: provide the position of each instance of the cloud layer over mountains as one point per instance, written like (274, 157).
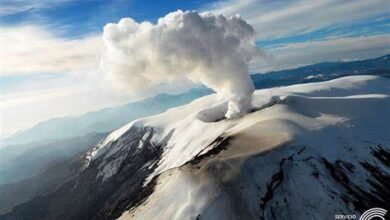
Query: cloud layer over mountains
(210, 49)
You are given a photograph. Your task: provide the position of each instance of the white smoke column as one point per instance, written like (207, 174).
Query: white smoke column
(203, 47)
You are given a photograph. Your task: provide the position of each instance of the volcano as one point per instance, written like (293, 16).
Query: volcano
(309, 151)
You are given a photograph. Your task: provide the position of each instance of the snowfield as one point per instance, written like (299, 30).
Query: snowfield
(307, 151)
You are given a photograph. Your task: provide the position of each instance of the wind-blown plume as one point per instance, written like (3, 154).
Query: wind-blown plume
(203, 47)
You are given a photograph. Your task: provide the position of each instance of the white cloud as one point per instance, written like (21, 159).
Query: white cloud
(32, 49)
(9, 7)
(273, 19)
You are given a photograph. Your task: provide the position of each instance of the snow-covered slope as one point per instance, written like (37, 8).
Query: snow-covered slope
(274, 162)
(305, 152)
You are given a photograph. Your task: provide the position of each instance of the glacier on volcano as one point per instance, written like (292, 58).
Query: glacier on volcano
(308, 151)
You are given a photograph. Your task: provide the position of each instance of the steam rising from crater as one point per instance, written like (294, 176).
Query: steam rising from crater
(206, 48)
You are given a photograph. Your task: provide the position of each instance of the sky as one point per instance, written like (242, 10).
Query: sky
(50, 50)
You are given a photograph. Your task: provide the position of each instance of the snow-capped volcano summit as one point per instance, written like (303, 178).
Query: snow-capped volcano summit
(307, 151)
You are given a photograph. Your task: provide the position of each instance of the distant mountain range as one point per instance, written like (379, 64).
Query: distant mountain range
(18, 162)
(104, 120)
(323, 71)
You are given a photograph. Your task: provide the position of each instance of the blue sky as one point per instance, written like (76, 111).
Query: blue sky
(372, 26)
(79, 18)
(50, 49)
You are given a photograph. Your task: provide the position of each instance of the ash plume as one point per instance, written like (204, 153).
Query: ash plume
(210, 49)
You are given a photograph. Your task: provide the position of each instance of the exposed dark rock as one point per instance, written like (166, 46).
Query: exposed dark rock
(379, 181)
(219, 144)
